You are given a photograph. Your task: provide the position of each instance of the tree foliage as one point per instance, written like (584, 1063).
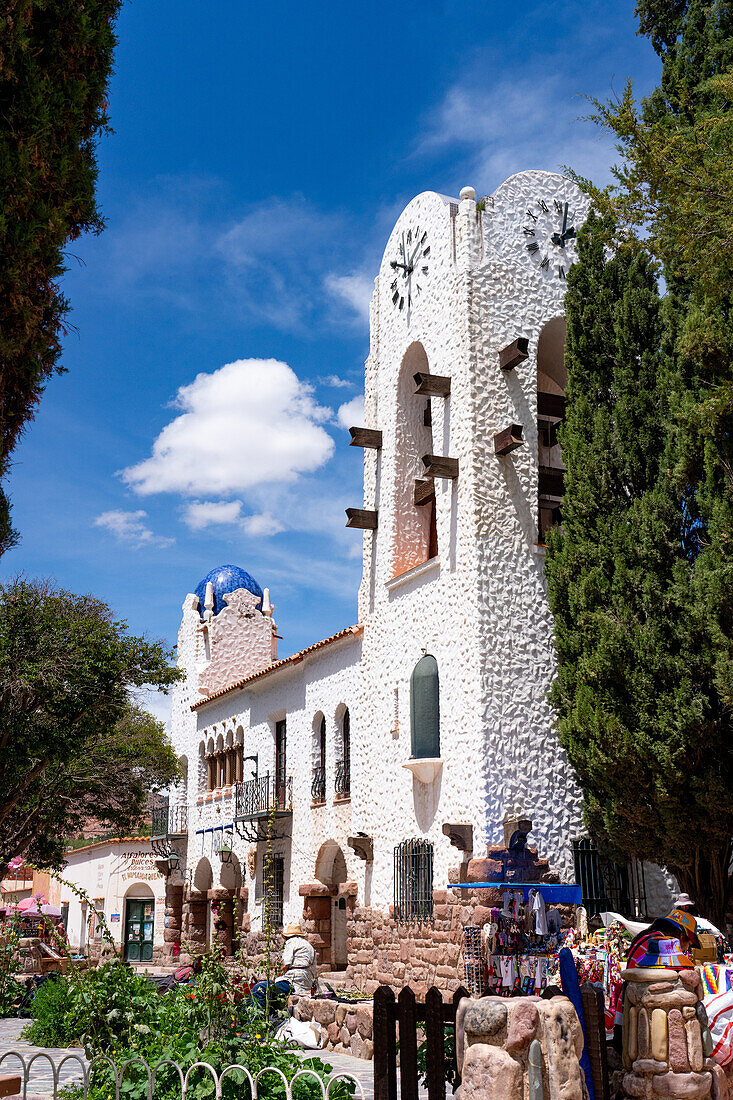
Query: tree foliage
(55, 63)
(643, 591)
(73, 743)
(638, 711)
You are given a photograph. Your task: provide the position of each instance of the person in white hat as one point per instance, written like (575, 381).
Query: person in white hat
(685, 902)
(299, 960)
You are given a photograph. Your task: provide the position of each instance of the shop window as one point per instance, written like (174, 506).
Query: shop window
(413, 881)
(65, 915)
(425, 709)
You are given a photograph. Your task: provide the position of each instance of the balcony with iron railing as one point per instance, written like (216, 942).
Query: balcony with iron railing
(343, 778)
(263, 795)
(169, 820)
(318, 784)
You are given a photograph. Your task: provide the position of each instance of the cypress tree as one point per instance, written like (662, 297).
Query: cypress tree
(55, 63)
(638, 712)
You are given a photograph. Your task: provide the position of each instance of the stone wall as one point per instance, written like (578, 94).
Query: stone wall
(345, 1028)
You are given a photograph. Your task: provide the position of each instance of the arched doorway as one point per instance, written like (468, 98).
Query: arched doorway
(139, 927)
(331, 871)
(230, 905)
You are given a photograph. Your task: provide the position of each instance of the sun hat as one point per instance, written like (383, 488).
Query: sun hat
(682, 901)
(653, 951)
(682, 920)
(293, 929)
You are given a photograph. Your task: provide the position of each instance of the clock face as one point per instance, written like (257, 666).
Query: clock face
(548, 235)
(410, 267)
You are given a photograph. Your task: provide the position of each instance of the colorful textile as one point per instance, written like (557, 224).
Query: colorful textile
(709, 980)
(720, 1023)
(653, 949)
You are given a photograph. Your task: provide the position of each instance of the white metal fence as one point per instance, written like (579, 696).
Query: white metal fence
(31, 1087)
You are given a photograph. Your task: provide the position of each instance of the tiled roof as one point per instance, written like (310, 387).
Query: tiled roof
(294, 659)
(110, 840)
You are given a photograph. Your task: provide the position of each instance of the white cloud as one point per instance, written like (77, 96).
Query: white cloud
(351, 413)
(252, 422)
(203, 513)
(130, 528)
(355, 289)
(335, 382)
(493, 129)
(262, 525)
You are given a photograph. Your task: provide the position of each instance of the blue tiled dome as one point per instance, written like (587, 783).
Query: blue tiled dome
(226, 578)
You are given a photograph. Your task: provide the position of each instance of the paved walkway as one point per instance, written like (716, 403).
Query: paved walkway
(40, 1082)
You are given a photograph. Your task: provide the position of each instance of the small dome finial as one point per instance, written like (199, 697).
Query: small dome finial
(468, 193)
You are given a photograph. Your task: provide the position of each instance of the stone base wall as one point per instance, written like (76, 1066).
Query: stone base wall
(345, 1028)
(383, 951)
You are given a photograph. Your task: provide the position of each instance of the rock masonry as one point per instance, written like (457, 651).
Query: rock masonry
(523, 1048)
(666, 1042)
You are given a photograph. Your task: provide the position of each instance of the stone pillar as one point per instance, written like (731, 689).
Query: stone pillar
(240, 764)
(173, 929)
(210, 772)
(194, 920)
(520, 1047)
(222, 914)
(666, 1042)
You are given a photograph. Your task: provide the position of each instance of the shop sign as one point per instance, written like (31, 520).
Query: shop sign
(138, 867)
(114, 918)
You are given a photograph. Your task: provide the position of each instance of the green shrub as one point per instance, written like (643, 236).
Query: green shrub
(52, 1010)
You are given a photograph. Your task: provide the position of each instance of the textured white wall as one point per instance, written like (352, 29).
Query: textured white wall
(480, 607)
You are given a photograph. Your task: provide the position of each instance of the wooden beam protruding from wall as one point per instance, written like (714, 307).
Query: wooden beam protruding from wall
(550, 404)
(424, 492)
(361, 518)
(437, 466)
(514, 354)
(365, 437)
(508, 440)
(433, 385)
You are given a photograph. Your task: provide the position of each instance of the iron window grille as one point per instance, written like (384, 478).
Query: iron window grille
(413, 881)
(607, 885)
(343, 778)
(273, 897)
(318, 784)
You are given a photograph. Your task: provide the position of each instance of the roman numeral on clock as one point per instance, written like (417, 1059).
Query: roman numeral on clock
(545, 262)
(543, 206)
(533, 246)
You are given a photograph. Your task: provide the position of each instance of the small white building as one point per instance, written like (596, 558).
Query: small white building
(398, 753)
(122, 882)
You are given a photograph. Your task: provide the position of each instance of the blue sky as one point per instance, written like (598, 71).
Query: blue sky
(261, 155)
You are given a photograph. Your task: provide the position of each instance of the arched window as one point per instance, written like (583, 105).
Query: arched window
(425, 709)
(318, 785)
(415, 533)
(551, 381)
(343, 764)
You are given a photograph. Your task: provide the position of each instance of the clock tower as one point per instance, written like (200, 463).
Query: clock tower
(462, 477)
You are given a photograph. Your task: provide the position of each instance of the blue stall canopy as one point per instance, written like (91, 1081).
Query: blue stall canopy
(553, 893)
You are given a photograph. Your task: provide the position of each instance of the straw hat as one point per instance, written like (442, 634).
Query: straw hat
(292, 929)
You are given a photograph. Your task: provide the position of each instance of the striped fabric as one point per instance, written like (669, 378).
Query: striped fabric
(720, 1022)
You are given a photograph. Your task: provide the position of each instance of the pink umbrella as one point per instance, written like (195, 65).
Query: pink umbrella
(45, 910)
(30, 903)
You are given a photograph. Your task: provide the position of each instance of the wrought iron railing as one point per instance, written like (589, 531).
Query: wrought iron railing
(168, 820)
(318, 784)
(343, 778)
(413, 880)
(258, 797)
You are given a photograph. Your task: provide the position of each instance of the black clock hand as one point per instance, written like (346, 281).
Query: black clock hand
(394, 265)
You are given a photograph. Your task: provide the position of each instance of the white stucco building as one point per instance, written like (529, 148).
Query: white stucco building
(378, 806)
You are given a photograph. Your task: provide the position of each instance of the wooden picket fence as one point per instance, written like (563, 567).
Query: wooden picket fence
(407, 1013)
